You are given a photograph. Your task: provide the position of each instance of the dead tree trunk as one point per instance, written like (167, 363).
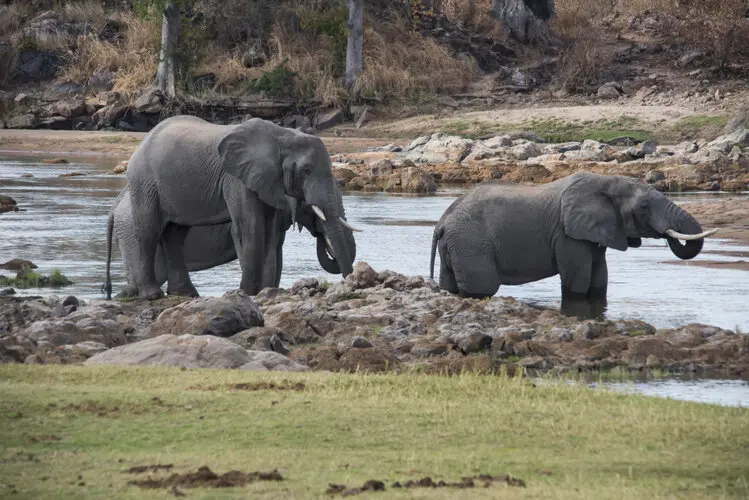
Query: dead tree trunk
(525, 20)
(167, 73)
(355, 45)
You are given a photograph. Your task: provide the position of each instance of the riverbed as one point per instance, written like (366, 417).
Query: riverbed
(63, 221)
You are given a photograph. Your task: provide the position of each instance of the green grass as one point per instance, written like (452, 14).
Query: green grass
(554, 130)
(697, 127)
(69, 432)
(33, 279)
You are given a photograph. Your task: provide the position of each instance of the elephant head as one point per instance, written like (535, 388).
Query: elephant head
(617, 211)
(276, 162)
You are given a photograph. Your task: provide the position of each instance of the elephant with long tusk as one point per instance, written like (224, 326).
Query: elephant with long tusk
(501, 233)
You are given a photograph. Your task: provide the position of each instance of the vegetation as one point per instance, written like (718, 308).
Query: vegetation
(71, 432)
(32, 279)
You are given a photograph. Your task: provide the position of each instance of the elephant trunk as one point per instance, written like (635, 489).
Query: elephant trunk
(684, 223)
(342, 250)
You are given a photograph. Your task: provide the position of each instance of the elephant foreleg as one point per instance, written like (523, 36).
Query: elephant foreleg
(248, 230)
(178, 277)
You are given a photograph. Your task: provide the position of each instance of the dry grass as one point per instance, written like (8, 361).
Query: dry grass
(13, 16)
(474, 15)
(582, 56)
(228, 69)
(134, 59)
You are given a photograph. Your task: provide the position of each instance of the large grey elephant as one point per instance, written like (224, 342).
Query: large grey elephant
(500, 233)
(188, 172)
(204, 247)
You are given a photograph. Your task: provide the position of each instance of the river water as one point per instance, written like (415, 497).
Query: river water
(64, 227)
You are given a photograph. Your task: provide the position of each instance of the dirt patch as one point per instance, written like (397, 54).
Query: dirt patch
(140, 469)
(284, 385)
(206, 478)
(44, 437)
(101, 410)
(482, 480)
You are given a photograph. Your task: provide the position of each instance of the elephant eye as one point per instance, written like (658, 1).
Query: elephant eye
(306, 169)
(644, 206)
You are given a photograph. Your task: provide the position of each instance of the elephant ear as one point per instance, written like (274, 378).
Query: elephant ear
(589, 214)
(252, 153)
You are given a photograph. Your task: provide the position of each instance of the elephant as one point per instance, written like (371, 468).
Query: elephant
(502, 233)
(205, 246)
(188, 172)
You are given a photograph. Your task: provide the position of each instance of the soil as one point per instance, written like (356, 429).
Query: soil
(206, 478)
(284, 385)
(482, 480)
(139, 469)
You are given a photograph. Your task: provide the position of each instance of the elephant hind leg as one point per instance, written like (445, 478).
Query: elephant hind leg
(178, 277)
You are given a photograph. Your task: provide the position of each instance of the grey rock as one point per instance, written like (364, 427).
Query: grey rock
(271, 361)
(654, 176)
(221, 316)
(102, 81)
(328, 119)
(27, 121)
(187, 351)
(610, 90)
(361, 343)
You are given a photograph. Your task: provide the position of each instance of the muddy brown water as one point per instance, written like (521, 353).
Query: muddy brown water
(63, 226)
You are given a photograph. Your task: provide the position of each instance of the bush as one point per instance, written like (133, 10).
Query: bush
(717, 27)
(278, 82)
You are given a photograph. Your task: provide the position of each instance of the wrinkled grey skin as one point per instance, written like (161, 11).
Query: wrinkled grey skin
(501, 233)
(205, 246)
(188, 172)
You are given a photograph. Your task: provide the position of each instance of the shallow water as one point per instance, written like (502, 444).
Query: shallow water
(718, 392)
(65, 218)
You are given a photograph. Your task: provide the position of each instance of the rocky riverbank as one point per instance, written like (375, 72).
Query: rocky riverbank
(442, 160)
(371, 321)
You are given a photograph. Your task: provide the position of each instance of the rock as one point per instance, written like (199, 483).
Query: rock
(592, 151)
(69, 107)
(263, 338)
(724, 144)
(37, 65)
(439, 148)
(26, 121)
(151, 101)
(363, 276)
(524, 150)
(62, 91)
(654, 176)
(642, 149)
(134, 121)
(56, 122)
(120, 168)
(365, 117)
(220, 316)
(360, 343)
(76, 328)
(8, 204)
(328, 119)
(271, 361)
(564, 147)
(108, 115)
(688, 58)
(186, 351)
(610, 90)
(102, 81)
(7, 292)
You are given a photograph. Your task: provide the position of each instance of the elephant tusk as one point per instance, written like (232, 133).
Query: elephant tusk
(689, 237)
(348, 226)
(330, 246)
(318, 211)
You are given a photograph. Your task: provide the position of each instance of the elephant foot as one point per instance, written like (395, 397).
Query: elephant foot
(127, 293)
(151, 293)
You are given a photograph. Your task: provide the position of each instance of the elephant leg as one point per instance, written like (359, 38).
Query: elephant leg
(279, 258)
(148, 228)
(248, 230)
(178, 278)
(599, 279)
(447, 276)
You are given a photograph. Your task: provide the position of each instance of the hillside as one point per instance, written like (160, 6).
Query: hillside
(82, 65)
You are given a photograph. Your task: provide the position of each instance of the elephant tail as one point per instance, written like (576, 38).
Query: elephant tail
(108, 279)
(438, 232)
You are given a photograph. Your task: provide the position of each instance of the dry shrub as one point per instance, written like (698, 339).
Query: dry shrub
(474, 15)
(717, 27)
(134, 59)
(402, 63)
(13, 16)
(89, 12)
(582, 56)
(228, 68)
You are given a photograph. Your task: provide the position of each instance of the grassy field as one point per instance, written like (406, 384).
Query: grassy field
(72, 432)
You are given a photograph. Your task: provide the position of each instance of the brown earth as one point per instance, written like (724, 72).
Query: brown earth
(206, 478)
(481, 480)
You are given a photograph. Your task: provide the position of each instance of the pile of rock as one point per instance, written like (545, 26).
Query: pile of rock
(371, 321)
(721, 164)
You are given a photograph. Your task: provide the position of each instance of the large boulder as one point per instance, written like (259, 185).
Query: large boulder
(220, 316)
(438, 148)
(186, 351)
(8, 204)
